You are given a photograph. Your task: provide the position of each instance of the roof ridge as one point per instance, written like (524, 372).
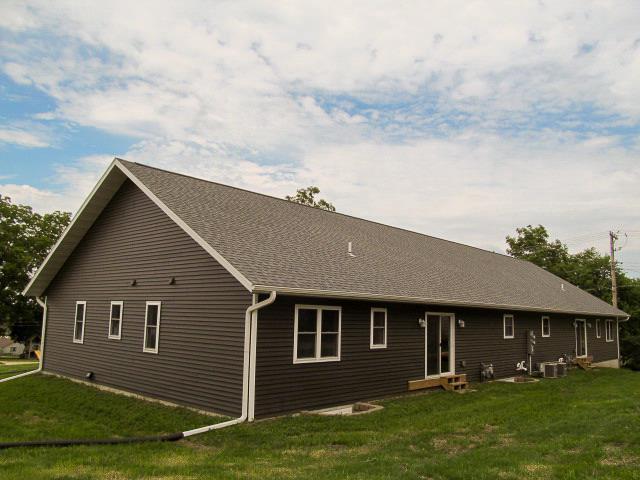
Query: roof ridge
(322, 210)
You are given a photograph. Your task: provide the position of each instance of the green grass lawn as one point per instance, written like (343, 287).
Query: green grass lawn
(8, 369)
(584, 426)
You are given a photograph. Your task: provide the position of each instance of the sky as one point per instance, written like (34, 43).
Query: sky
(463, 120)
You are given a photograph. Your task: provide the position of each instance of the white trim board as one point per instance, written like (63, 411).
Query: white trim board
(109, 183)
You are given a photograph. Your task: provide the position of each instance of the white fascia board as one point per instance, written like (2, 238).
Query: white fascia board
(310, 292)
(80, 223)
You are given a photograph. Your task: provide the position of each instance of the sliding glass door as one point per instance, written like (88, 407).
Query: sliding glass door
(439, 344)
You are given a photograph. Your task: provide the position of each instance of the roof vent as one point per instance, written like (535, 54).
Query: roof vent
(562, 287)
(350, 250)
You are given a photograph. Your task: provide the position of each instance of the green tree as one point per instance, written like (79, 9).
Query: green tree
(532, 244)
(25, 239)
(306, 196)
(589, 270)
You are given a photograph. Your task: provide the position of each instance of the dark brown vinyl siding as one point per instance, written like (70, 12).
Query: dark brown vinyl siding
(362, 373)
(200, 357)
(599, 347)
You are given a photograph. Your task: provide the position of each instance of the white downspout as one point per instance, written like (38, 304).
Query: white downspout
(44, 327)
(248, 373)
(618, 338)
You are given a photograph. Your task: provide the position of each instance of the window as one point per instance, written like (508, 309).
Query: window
(78, 327)
(608, 330)
(115, 320)
(507, 322)
(151, 327)
(378, 335)
(317, 334)
(598, 334)
(546, 327)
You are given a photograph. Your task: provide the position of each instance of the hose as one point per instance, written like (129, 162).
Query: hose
(171, 437)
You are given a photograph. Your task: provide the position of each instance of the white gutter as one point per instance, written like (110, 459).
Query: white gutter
(44, 326)
(249, 370)
(306, 292)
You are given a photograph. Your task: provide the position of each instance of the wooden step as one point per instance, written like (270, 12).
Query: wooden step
(424, 383)
(453, 382)
(455, 386)
(583, 362)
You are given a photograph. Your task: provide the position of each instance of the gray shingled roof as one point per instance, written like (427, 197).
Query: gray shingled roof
(276, 243)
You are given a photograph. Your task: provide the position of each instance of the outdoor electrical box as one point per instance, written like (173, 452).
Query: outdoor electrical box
(531, 342)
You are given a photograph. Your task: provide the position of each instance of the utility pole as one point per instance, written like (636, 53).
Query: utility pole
(614, 285)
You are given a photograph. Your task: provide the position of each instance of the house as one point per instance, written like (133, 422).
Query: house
(223, 299)
(9, 347)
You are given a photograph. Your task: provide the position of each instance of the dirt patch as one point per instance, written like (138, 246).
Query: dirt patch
(31, 418)
(537, 468)
(506, 440)
(614, 457)
(456, 444)
(115, 475)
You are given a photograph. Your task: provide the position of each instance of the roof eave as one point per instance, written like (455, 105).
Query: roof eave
(306, 292)
(102, 192)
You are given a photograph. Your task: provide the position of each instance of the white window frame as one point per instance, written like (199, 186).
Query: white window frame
(119, 335)
(608, 328)
(504, 326)
(377, 346)
(317, 358)
(548, 319)
(84, 321)
(144, 341)
(598, 331)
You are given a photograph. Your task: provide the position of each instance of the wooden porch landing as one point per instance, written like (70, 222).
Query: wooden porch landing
(584, 362)
(452, 382)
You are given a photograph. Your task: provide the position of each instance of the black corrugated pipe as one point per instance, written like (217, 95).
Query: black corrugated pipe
(171, 437)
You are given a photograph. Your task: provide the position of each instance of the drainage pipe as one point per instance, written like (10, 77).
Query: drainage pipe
(44, 327)
(250, 324)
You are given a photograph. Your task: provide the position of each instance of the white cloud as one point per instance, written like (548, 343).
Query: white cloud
(65, 190)
(243, 74)
(39, 199)
(459, 119)
(23, 138)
